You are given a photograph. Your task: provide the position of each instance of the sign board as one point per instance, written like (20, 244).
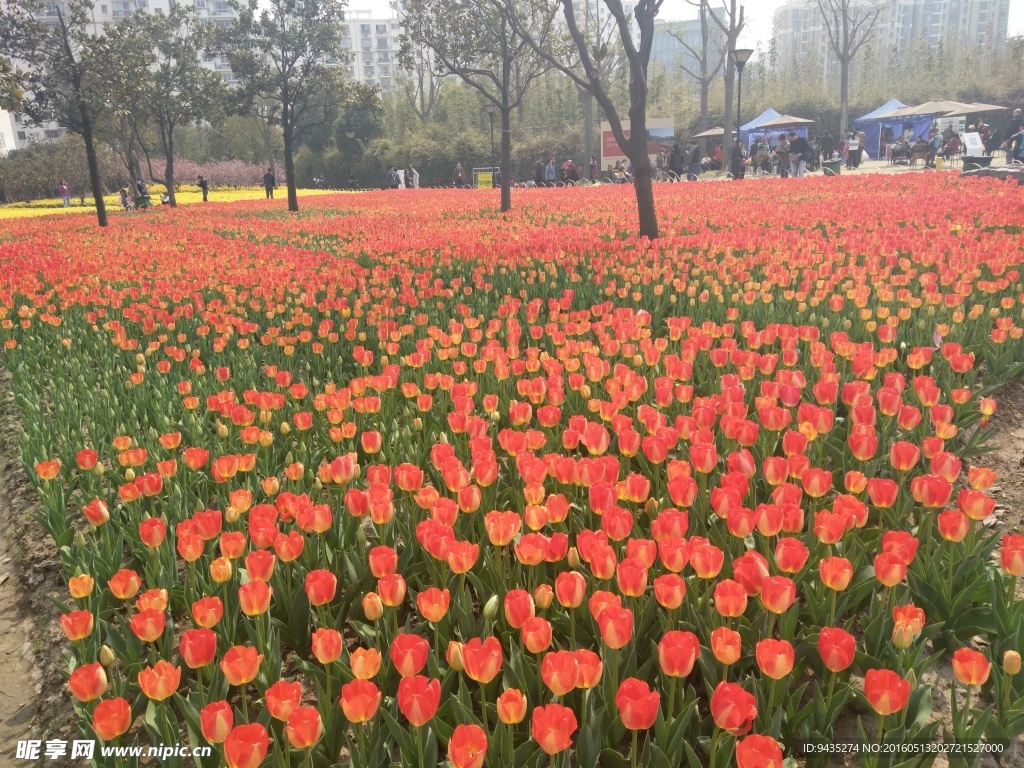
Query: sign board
(959, 124)
(484, 178)
(973, 145)
(661, 132)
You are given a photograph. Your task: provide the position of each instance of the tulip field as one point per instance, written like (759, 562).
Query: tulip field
(403, 481)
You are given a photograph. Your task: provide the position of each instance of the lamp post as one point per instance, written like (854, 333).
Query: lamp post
(739, 57)
(490, 109)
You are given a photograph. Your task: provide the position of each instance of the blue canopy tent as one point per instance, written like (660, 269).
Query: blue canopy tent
(751, 132)
(882, 129)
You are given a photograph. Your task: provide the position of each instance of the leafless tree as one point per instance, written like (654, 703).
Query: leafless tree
(732, 25)
(580, 64)
(421, 82)
(708, 57)
(849, 24)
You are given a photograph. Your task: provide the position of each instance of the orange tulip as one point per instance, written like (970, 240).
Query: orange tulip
(111, 718)
(552, 727)
(467, 747)
(512, 706)
(216, 721)
(360, 700)
(246, 746)
(418, 699)
(159, 681)
(88, 682)
(304, 727)
(482, 659)
(241, 664)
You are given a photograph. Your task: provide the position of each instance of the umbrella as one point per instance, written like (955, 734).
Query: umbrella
(785, 121)
(970, 109)
(928, 108)
(711, 133)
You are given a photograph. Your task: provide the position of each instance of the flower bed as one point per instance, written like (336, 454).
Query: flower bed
(405, 480)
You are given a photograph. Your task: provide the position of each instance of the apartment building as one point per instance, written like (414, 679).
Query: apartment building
(373, 44)
(798, 33)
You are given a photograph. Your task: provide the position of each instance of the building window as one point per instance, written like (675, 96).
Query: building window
(385, 82)
(364, 30)
(382, 42)
(385, 71)
(21, 136)
(367, 58)
(51, 134)
(103, 10)
(383, 57)
(368, 70)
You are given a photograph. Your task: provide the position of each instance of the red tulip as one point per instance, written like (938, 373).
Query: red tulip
(726, 645)
(482, 659)
(678, 652)
(560, 671)
(409, 654)
(88, 682)
(467, 747)
(418, 698)
(282, 698)
(971, 667)
(774, 658)
(837, 648)
(246, 746)
(321, 586)
(512, 706)
(756, 751)
(326, 645)
(637, 704)
(360, 700)
(886, 691)
(241, 664)
(552, 727)
(198, 647)
(111, 718)
(733, 708)
(216, 721)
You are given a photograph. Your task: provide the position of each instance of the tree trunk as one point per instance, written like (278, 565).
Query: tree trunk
(844, 95)
(506, 159)
(587, 102)
(644, 188)
(643, 181)
(289, 166)
(169, 180)
(94, 166)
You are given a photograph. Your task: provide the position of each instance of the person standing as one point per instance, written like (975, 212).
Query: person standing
(538, 172)
(550, 172)
(1013, 130)
(204, 187)
(393, 181)
(862, 140)
(64, 190)
(594, 168)
(269, 182)
(675, 161)
(828, 146)
(799, 154)
(459, 176)
(415, 177)
(693, 161)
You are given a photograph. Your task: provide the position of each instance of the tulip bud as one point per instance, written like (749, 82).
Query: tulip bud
(222, 431)
(107, 657)
(285, 428)
(651, 507)
(1011, 663)
(495, 417)
(129, 475)
(372, 606)
(491, 607)
(417, 424)
(573, 558)
(80, 540)
(454, 655)
(231, 515)
(98, 469)
(361, 537)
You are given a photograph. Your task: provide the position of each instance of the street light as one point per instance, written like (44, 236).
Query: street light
(490, 109)
(739, 57)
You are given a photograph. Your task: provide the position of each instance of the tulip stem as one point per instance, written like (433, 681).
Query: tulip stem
(419, 746)
(632, 754)
(483, 706)
(831, 690)
(245, 705)
(327, 669)
(671, 698)
(967, 710)
(832, 609)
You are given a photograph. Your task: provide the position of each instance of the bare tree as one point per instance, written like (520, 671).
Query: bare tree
(708, 58)
(581, 66)
(421, 83)
(732, 26)
(602, 38)
(477, 41)
(849, 24)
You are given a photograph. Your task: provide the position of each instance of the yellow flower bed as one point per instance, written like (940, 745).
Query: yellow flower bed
(185, 196)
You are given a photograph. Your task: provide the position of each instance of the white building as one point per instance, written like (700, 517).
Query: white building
(373, 44)
(798, 33)
(23, 132)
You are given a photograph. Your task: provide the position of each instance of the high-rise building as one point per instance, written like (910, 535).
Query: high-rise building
(799, 34)
(671, 38)
(23, 131)
(373, 44)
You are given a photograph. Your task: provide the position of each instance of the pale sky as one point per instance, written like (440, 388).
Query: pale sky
(758, 16)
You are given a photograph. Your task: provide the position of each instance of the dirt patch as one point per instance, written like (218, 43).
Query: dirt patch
(34, 702)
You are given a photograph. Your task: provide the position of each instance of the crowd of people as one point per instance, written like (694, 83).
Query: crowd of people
(784, 154)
